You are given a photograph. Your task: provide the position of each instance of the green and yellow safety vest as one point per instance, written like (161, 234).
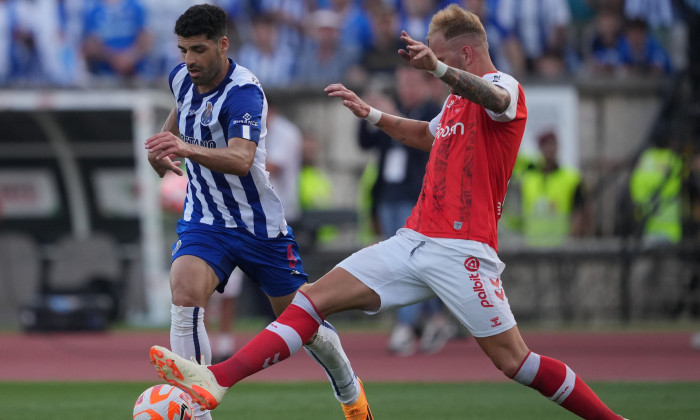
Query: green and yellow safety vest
(655, 186)
(547, 203)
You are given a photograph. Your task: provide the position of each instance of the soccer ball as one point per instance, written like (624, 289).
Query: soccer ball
(164, 402)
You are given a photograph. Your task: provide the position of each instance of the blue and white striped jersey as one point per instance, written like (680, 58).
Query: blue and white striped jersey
(236, 108)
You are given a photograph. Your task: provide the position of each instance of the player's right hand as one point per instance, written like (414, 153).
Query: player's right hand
(160, 160)
(417, 54)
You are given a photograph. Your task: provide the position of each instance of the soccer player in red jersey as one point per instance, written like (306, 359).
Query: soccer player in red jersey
(448, 247)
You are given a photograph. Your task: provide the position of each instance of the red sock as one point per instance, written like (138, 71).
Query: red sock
(282, 338)
(559, 383)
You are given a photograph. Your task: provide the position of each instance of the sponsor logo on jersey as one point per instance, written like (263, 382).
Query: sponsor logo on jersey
(246, 119)
(495, 322)
(209, 144)
(207, 114)
(446, 131)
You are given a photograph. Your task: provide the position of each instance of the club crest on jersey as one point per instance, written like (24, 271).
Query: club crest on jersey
(471, 264)
(207, 114)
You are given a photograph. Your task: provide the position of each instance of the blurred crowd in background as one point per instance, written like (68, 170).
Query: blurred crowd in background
(91, 43)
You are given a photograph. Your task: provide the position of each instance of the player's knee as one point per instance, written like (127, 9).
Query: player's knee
(188, 297)
(507, 364)
(510, 369)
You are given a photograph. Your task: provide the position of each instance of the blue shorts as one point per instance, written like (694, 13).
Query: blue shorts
(273, 263)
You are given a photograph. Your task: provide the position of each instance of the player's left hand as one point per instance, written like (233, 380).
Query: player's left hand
(166, 144)
(417, 54)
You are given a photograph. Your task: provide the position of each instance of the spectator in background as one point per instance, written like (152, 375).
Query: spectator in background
(641, 54)
(284, 143)
(38, 45)
(315, 193)
(266, 54)
(291, 16)
(655, 188)
(415, 15)
(323, 58)
(5, 41)
(399, 181)
(691, 12)
(21, 63)
(540, 27)
(355, 27)
(502, 48)
(602, 48)
(116, 40)
(159, 17)
(379, 61)
(656, 13)
(237, 19)
(553, 198)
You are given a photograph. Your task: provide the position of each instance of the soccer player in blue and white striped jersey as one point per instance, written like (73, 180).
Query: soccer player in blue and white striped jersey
(232, 217)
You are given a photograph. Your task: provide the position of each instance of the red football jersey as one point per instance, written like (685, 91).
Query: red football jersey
(470, 164)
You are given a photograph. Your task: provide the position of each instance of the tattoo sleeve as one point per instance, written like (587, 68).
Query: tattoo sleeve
(476, 89)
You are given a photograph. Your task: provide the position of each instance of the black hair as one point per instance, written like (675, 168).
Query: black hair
(202, 19)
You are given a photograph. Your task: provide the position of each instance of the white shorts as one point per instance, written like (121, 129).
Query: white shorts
(411, 267)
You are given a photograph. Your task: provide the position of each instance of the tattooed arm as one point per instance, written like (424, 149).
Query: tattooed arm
(477, 90)
(463, 83)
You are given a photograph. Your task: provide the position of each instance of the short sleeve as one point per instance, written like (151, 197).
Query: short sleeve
(433, 124)
(245, 107)
(508, 83)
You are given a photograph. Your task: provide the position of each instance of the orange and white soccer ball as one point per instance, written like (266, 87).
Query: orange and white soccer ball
(164, 402)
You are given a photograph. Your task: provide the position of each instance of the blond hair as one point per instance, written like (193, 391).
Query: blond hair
(453, 21)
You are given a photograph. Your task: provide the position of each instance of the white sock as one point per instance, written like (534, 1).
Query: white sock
(188, 338)
(327, 351)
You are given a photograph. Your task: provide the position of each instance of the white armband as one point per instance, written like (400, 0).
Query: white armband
(440, 70)
(374, 116)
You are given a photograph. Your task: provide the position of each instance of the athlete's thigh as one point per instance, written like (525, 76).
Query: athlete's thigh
(387, 269)
(204, 243)
(470, 287)
(280, 303)
(192, 281)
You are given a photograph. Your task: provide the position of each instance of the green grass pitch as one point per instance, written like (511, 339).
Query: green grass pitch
(312, 401)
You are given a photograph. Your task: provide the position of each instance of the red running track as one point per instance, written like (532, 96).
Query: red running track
(121, 356)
